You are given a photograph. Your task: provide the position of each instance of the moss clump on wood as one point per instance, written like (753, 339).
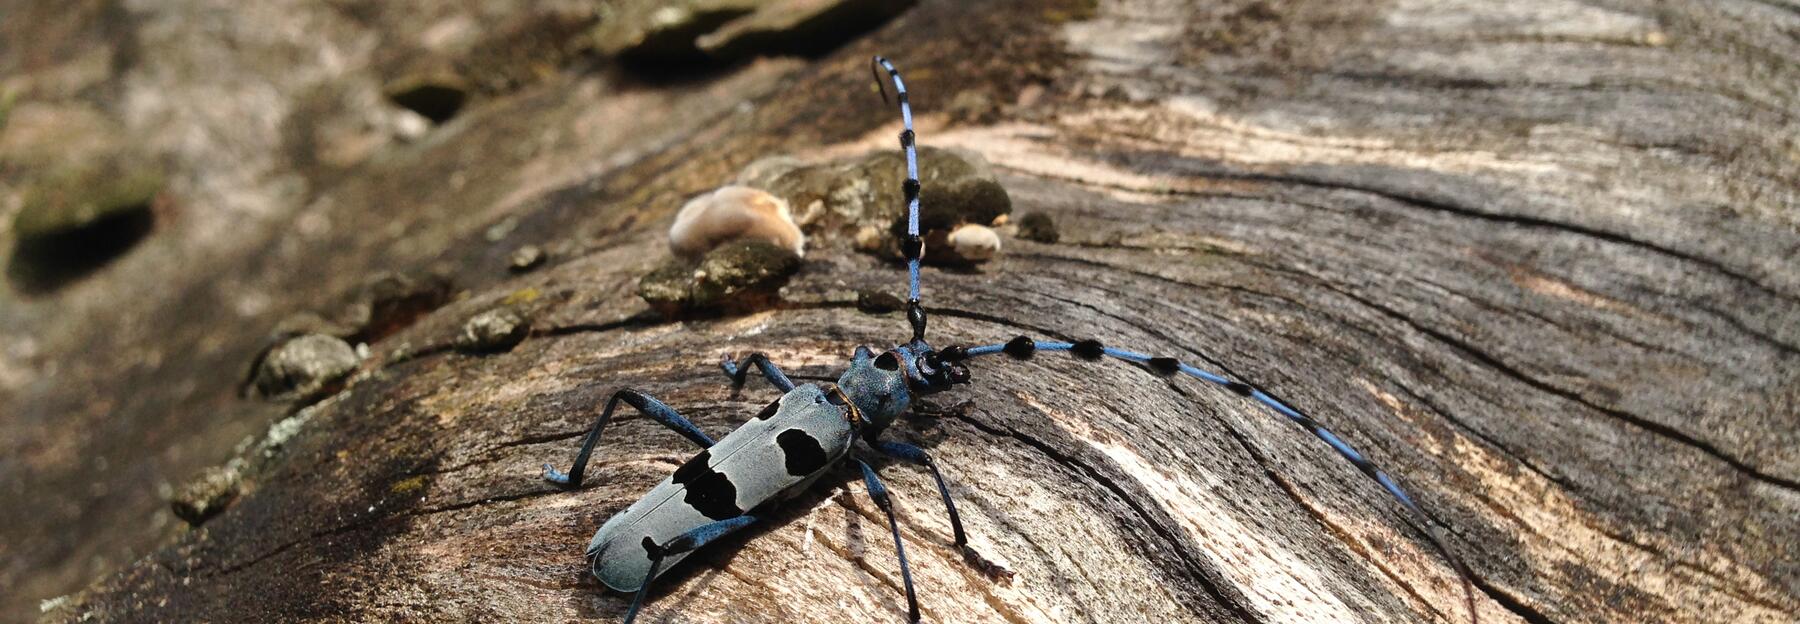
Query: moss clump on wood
(1038, 227)
(736, 276)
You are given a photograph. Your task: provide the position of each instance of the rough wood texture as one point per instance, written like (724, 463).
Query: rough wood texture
(1535, 258)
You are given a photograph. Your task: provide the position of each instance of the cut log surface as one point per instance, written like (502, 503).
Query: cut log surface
(1535, 259)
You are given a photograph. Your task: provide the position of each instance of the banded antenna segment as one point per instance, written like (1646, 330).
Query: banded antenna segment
(913, 246)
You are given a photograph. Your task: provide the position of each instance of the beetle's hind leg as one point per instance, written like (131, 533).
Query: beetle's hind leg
(656, 410)
(691, 540)
(740, 370)
(879, 492)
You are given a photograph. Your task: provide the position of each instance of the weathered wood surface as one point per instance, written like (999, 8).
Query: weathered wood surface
(1534, 258)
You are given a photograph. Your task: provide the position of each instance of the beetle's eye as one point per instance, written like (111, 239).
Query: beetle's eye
(888, 361)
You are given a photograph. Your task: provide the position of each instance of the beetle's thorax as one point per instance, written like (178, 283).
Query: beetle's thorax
(877, 386)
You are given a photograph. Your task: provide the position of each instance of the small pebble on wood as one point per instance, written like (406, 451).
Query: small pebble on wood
(495, 330)
(207, 495)
(304, 366)
(526, 258)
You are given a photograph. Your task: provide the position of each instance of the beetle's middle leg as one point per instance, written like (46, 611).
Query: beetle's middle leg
(656, 410)
(740, 370)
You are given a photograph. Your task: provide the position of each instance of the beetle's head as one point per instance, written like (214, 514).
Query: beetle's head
(883, 386)
(929, 371)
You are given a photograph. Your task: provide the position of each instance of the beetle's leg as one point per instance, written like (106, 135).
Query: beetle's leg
(656, 410)
(740, 370)
(913, 454)
(691, 540)
(879, 492)
(909, 453)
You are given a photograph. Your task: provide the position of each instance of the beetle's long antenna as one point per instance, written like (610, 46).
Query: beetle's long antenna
(913, 246)
(1091, 350)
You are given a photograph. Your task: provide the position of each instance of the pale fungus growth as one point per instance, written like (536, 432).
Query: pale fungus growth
(974, 243)
(870, 239)
(734, 213)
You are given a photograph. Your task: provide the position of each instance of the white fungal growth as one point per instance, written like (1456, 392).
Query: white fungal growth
(974, 242)
(730, 213)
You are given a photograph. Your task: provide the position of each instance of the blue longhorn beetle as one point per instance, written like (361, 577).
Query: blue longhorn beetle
(797, 439)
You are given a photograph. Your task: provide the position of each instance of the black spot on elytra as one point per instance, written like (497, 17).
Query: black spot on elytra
(1164, 366)
(709, 491)
(888, 362)
(691, 471)
(803, 453)
(1020, 348)
(1089, 350)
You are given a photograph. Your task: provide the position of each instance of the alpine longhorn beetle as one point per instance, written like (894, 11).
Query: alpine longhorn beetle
(810, 429)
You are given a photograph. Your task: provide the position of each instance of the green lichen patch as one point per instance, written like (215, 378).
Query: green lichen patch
(408, 485)
(736, 276)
